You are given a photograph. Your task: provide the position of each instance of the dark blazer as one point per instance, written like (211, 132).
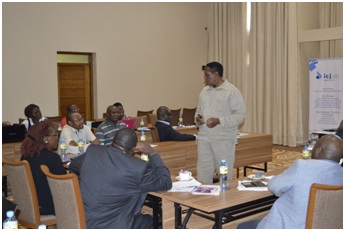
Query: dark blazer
(167, 133)
(55, 165)
(114, 186)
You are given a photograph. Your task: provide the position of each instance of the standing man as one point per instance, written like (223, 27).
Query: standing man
(220, 110)
(107, 130)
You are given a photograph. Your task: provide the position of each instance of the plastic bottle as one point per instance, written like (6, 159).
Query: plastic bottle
(63, 148)
(180, 121)
(223, 176)
(305, 153)
(81, 146)
(143, 136)
(142, 123)
(59, 127)
(10, 222)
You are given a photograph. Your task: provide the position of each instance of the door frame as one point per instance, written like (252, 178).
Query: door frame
(90, 94)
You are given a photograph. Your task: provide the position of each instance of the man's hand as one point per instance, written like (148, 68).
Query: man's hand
(73, 143)
(212, 122)
(144, 147)
(199, 119)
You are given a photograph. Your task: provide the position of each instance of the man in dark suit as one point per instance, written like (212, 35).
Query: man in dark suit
(114, 183)
(165, 130)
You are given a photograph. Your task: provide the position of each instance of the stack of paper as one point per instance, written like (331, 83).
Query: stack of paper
(184, 186)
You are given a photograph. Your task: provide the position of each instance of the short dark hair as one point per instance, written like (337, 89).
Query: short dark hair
(28, 110)
(216, 67)
(118, 104)
(125, 138)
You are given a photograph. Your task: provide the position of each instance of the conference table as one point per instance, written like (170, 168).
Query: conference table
(230, 205)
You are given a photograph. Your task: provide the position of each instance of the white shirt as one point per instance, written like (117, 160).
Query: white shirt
(69, 133)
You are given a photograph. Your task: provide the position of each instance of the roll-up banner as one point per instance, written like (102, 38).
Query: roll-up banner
(325, 94)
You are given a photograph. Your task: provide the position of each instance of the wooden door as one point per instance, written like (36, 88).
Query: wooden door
(74, 84)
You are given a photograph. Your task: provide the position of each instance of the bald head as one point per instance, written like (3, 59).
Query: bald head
(328, 147)
(125, 138)
(164, 113)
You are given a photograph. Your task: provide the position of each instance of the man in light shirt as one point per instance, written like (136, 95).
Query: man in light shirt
(75, 129)
(221, 109)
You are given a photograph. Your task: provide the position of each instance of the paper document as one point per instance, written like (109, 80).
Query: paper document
(184, 186)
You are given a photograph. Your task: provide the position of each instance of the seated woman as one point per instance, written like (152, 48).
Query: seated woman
(37, 148)
(33, 115)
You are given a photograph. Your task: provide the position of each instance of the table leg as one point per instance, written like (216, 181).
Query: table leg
(177, 216)
(218, 219)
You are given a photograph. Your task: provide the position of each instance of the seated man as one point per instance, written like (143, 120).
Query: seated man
(293, 185)
(165, 130)
(70, 108)
(75, 129)
(114, 183)
(123, 115)
(107, 129)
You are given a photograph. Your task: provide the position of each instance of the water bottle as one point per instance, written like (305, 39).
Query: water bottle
(143, 136)
(63, 149)
(305, 153)
(81, 146)
(223, 176)
(10, 222)
(180, 121)
(59, 127)
(142, 123)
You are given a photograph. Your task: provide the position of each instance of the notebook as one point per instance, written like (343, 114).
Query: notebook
(14, 133)
(130, 123)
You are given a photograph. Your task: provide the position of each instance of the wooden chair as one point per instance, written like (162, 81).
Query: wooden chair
(189, 116)
(154, 134)
(325, 207)
(25, 195)
(152, 118)
(54, 118)
(175, 116)
(21, 120)
(143, 113)
(67, 199)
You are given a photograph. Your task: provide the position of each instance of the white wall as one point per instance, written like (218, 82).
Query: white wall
(147, 54)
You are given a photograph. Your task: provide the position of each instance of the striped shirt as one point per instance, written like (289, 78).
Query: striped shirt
(106, 131)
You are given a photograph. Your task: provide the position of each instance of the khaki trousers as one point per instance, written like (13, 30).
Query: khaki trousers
(210, 154)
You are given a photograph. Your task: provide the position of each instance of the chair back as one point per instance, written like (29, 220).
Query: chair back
(21, 120)
(144, 113)
(154, 134)
(54, 118)
(189, 116)
(25, 195)
(325, 207)
(175, 116)
(152, 118)
(67, 198)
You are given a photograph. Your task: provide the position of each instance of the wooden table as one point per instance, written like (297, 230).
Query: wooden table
(228, 206)
(251, 149)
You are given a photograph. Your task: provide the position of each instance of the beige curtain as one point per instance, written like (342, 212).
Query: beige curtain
(228, 40)
(270, 83)
(331, 15)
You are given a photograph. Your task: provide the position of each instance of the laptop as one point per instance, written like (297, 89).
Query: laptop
(130, 123)
(13, 133)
